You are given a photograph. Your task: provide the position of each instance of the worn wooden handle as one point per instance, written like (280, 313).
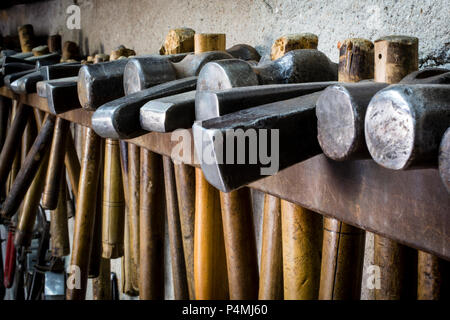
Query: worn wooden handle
(185, 185)
(302, 246)
(30, 166)
(271, 274)
(13, 140)
(55, 164)
(151, 215)
(113, 203)
(72, 164)
(174, 228)
(240, 244)
(24, 230)
(59, 231)
(133, 206)
(210, 273)
(85, 216)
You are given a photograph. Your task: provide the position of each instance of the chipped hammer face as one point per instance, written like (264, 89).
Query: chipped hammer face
(242, 147)
(404, 125)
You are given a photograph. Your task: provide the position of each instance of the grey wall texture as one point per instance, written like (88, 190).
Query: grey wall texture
(143, 25)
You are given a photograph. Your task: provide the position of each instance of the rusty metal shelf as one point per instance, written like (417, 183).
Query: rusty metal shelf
(411, 207)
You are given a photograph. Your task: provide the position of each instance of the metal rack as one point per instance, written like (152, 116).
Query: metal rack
(411, 207)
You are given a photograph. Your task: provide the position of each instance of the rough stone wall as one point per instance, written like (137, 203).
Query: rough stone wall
(142, 25)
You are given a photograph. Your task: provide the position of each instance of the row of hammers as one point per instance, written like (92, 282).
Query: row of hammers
(350, 110)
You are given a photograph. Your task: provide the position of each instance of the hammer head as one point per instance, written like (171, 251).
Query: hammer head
(244, 52)
(428, 75)
(215, 103)
(119, 119)
(340, 114)
(10, 78)
(234, 149)
(143, 72)
(169, 113)
(100, 83)
(62, 94)
(27, 83)
(404, 124)
(226, 74)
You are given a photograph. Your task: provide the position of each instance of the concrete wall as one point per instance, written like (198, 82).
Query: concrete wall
(142, 25)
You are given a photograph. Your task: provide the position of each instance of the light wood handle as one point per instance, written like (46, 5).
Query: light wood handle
(302, 246)
(113, 212)
(271, 275)
(85, 214)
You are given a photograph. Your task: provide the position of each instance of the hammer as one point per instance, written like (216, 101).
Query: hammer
(395, 57)
(227, 70)
(343, 244)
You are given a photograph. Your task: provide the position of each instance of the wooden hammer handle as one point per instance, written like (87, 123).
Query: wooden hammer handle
(55, 164)
(85, 216)
(12, 141)
(151, 224)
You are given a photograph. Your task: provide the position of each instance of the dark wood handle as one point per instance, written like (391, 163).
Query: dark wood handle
(12, 141)
(55, 164)
(29, 168)
(240, 244)
(271, 274)
(151, 224)
(185, 181)
(59, 231)
(174, 228)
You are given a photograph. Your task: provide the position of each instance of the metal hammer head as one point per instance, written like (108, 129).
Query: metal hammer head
(340, 114)
(169, 113)
(27, 83)
(62, 94)
(234, 149)
(404, 124)
(216, 103)
(119, 119)
(141, 74)
(100, 83)
(428, 75)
